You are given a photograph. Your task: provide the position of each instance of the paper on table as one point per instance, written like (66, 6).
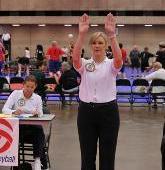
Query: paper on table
(5, 115)
(26, 115)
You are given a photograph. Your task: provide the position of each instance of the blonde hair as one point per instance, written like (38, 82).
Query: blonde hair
(157, 65)
(96, 35)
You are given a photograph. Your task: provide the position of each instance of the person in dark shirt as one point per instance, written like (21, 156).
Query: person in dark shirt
(144, 56)
(135, 61)
(39, 53)
(68, 81)
(109, 52)
(161, 54)
(40, 76)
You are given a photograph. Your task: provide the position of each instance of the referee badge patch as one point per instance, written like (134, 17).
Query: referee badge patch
(90, 67)
(21, 102)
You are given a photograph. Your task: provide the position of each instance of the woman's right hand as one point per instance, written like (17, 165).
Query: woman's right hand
(18, 112)
(84, 24)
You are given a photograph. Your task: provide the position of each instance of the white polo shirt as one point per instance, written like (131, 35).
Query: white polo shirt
(159, 74)
(17, 101)
(98, 86)
(6, 36)
(27, 53)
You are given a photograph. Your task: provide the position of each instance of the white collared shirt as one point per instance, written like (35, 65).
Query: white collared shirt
(159, 74)
(98, 86)
(6, 36)
(16, 100)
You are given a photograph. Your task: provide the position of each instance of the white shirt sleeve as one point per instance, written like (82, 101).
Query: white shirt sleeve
(151, 76)
(39, 107)
(8, 107)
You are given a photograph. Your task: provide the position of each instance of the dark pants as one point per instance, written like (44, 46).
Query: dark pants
(163, 149)
(7, 45)
(34, 134)
(122, 69)
(62, 95)
(1, 67)
(54, 66)
(143, 66)
(98, 121)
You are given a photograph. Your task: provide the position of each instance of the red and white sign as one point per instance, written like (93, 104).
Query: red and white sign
(9, 138)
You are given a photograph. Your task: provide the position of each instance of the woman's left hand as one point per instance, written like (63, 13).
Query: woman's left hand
(84, 24)
(34, 112)
(110, 25)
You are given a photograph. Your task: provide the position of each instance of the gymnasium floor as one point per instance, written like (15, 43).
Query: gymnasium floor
(138, 143)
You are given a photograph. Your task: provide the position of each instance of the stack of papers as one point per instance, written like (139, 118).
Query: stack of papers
(25, 115)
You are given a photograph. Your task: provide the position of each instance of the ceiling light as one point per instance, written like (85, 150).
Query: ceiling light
(148, 25)
(16, 25)
(120, 25)
(67, 25)
(41, 25)
(94, 25)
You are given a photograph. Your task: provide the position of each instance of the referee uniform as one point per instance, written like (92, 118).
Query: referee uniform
(98, 116)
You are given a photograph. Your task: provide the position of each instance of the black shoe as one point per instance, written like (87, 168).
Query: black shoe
(155, 106)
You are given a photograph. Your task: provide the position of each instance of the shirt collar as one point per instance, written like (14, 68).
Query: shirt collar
(31, 98)
(105, 59)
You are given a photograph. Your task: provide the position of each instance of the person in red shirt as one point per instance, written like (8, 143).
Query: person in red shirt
(53, 55)
(2, 57)
(124, 58)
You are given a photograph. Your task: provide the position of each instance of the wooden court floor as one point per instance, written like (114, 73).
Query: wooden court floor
(138, 143)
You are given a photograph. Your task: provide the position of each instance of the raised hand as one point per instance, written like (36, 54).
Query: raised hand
(84, 23)
(110, 25)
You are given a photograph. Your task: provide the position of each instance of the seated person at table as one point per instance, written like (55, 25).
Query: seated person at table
(158, 73)
(26, 101)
